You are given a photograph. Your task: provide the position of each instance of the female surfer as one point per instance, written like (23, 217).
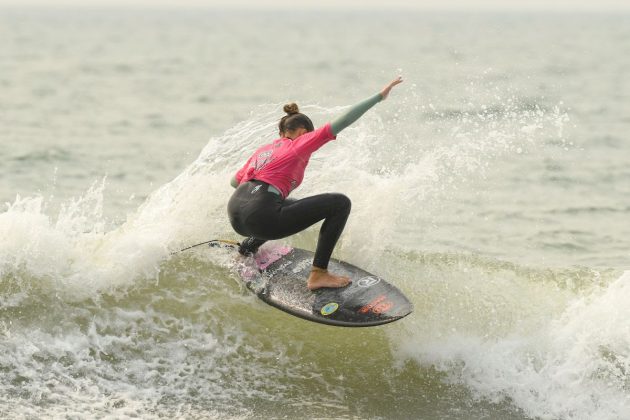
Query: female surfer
(260, 207)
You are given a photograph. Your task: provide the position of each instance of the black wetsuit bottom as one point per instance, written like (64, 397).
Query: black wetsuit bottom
(263, 215)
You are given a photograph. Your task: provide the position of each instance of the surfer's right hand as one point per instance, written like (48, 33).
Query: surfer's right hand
(388, 88)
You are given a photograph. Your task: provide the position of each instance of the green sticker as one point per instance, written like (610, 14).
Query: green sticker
(329, 308)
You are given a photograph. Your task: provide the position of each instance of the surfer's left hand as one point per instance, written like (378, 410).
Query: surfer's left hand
(388, 88)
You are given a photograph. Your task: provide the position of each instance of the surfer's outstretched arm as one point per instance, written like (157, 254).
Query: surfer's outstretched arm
(356, 111)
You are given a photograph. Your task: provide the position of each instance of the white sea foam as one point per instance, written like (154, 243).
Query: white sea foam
(551, 351)
(72, 252)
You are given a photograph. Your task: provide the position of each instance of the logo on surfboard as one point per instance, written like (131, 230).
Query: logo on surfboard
(368, 281)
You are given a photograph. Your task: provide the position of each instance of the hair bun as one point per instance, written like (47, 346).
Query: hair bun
(291, 108)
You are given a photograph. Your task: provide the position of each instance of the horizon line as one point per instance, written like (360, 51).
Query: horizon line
(309, 8)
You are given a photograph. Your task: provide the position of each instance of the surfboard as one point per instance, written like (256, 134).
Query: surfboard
(277, 275)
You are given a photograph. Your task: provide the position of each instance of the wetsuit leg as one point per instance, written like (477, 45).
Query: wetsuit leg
(250, 245)
(264, 216)
(333, 208)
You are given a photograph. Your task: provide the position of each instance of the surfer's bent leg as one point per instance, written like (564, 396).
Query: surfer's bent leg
(333, 208)
(253, 213)
(249, 246)
(264, 216)
(331, 229)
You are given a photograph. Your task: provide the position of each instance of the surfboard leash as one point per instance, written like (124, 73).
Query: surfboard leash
(212, 242)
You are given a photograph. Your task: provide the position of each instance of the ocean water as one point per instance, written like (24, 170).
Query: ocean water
(492, 188)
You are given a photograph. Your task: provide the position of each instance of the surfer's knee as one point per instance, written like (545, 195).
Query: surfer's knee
(341, 202)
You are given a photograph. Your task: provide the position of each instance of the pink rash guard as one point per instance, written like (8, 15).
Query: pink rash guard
(282, 163)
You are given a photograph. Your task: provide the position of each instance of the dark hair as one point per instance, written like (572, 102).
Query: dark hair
(294, 119)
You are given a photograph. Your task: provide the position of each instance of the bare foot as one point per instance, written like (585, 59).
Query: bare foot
(322, 278)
